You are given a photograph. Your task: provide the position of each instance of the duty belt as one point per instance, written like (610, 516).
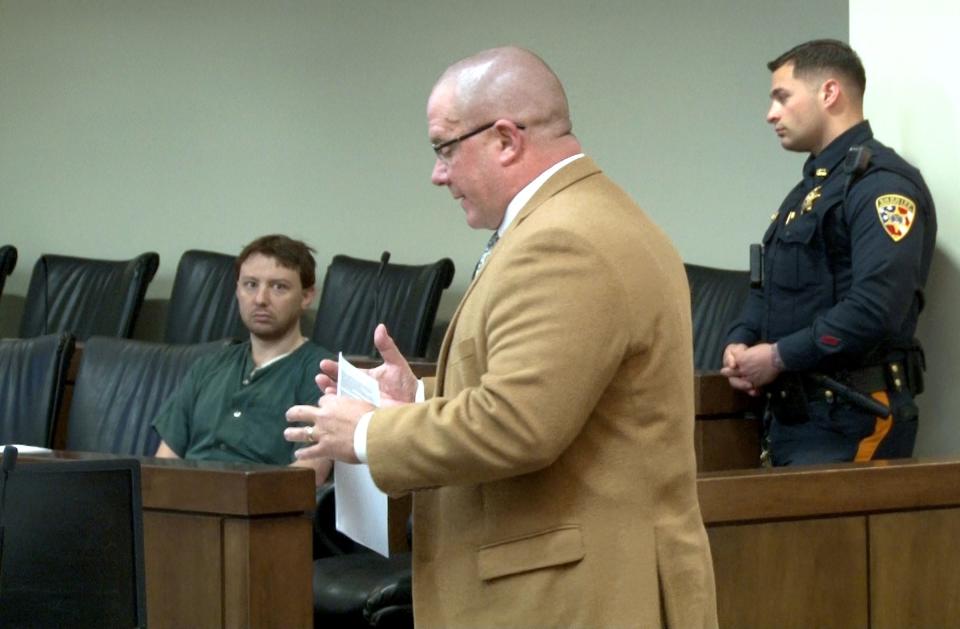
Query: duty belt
(789, 394)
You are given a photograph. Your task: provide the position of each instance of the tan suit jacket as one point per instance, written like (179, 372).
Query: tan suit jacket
(553, 468)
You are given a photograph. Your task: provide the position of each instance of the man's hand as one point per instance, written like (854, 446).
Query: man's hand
(329, 427)
(731, 369)
(166, 452)
(750, 368)
(321, 468)
(397, 383)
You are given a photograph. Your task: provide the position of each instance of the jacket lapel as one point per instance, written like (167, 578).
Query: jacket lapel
(562, 179)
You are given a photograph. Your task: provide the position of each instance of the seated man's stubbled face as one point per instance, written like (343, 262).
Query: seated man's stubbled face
(271, 297)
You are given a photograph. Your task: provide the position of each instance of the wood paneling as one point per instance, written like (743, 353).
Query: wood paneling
(827, 490)
(914, 558)
(839, 545)
(713, 395)
(806, 573)
(726, 443)
(269, 573)
(183, 559)
(225, 488)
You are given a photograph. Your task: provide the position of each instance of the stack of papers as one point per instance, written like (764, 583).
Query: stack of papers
(361, 506)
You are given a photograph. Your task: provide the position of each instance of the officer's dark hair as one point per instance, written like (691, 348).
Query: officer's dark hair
(289, 253)
(818, 55)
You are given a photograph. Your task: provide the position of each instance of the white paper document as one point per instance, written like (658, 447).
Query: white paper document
(361, 507)
(23, 449)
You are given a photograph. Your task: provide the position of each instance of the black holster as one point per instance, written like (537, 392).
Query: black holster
(915, 364)
(788, 399)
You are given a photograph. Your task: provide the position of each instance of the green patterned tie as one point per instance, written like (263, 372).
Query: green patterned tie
(486, 252)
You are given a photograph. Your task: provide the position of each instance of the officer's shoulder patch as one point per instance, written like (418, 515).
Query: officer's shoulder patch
(896, 214)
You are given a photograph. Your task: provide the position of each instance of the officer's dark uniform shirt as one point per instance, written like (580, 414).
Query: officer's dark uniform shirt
(843, 277)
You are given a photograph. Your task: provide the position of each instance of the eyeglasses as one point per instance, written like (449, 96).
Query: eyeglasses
(444, 150)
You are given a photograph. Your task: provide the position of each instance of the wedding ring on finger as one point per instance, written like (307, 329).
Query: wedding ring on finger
(309, 432)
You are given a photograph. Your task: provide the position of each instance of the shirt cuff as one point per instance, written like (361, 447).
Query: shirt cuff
(360, 436)
(421, 395)
(777, 361)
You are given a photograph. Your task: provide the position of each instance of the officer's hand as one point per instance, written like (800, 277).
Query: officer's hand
(730, 353)
(731, 369)
(742, 384)
(757, 365)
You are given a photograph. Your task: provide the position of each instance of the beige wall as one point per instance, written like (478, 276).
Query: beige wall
(913, 101)
(135, 125)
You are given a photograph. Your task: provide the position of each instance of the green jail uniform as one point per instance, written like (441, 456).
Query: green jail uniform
(221, 412)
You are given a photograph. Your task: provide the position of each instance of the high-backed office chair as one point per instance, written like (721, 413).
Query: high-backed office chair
(120, 386)
(717, 296)
(203, 304)
(86, 297)
(8, 261)
(32, 373)
(354, 587)
(406, 296)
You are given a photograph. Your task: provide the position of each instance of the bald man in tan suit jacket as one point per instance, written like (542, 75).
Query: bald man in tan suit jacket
(552, 464)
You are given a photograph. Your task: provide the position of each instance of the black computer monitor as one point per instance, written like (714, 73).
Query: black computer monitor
(72, 552)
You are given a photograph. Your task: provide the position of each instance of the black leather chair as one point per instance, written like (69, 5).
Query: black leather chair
(32, 373)
(354, 587)
(203, 304)
(86, 297)
(8, 261)
(408, 300)
(120, 386)
(717, 296)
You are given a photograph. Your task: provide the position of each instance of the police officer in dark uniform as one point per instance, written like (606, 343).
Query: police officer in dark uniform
(827, 332)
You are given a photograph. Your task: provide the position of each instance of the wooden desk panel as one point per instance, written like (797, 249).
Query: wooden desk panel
(838, 545)
(803, 573)
(268, 563)
(809, 491)
(184, 568)
(726, 443)
(913, 563)
(247, 528)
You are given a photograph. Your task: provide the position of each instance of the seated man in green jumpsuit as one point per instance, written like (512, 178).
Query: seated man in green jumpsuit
(231, 404)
